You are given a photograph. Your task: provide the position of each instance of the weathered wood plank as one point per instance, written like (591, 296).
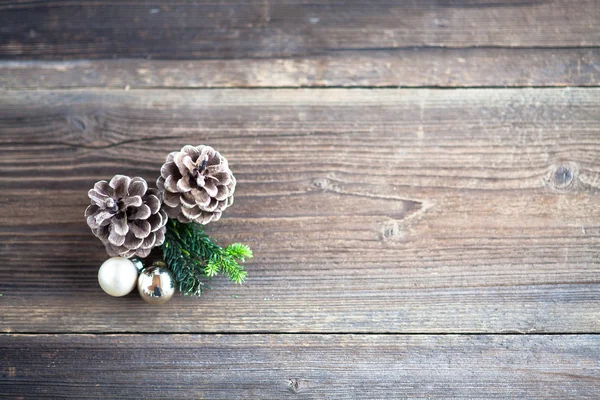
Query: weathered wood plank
(368, 210)
(272, 29)
(299, 366)
(403, 67)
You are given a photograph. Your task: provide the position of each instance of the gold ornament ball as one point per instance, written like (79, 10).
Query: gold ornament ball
(117, 276)
(156, 285)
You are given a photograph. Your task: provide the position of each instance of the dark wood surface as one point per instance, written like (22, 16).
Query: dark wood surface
(368, 210)
(301, 366)
(414, 67)
(234, 29)
(419, 181)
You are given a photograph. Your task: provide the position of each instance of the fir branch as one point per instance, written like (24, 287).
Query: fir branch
(192, 256)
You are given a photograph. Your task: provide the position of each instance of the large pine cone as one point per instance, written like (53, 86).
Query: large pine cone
(126, 216)
(197, 184)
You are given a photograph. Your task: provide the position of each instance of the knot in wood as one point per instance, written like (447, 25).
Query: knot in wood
(321, 183)
(294, 385)
(77, 123)
(392, 231)
(563, 176)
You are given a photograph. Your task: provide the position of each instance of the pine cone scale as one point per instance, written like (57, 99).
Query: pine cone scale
(149, 241)
(120, 184)
(222, 178)
(143, 212)
(188, 163)
(102, 218)
(201, 197)
(138, 187)
(171, 184)
(132, 242)
(182, 161)
(191, 213)
(119, 223)
(160, 236)
(97, 197)
(102, 233)
(211, 189)
(183, 185)
(131, 201)
(115, 238)
(187, 200)
(158, 221)
(153, 203)
(140, 229)
(165, 170)
(104, 188)
(212, 206)
(192, 151)
(171, 199)
(222, 193)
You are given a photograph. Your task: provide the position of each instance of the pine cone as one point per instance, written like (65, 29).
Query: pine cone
(197, 184)
(126, 216)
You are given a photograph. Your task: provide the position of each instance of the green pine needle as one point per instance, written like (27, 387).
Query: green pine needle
(239, 251)
(192, 256)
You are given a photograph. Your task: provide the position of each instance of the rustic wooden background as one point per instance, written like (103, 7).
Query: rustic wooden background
(419, 181)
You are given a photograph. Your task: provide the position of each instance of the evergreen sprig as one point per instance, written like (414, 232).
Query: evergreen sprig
(192, 257)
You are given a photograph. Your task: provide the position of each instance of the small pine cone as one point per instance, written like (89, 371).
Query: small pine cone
(126, 216)
(197, 184)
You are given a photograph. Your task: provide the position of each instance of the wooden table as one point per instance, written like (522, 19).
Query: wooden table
(419, 181)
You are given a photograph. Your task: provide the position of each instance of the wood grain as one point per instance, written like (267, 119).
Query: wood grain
(402, 236)
(368, 210)
(299, 366)
(418, 67)
(272, 29)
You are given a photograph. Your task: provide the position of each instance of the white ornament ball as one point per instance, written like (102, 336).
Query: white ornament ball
(117, 276)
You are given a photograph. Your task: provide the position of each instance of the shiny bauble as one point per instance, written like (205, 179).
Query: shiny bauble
(156, 284)
(117, 276)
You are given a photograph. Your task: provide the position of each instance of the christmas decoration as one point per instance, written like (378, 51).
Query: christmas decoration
(197, 184)
(156, 284)
(117, 276)
(126, 216)
(194, 188)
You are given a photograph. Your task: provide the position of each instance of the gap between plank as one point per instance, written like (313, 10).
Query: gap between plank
(307, 333)
(430, 47)
(303, 87)
(306, 55)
